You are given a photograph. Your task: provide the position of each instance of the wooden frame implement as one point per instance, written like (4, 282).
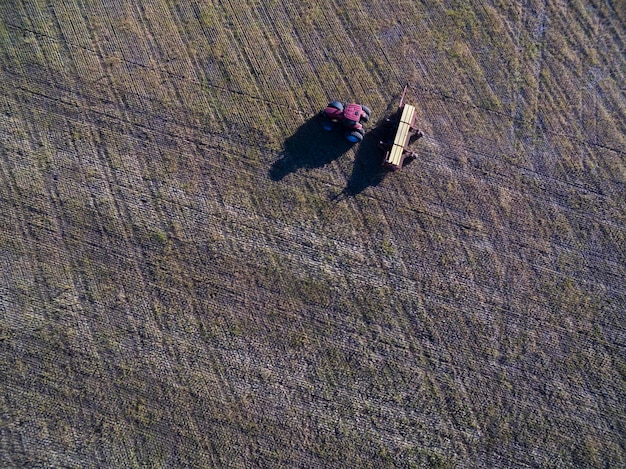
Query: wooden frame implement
(397, 151)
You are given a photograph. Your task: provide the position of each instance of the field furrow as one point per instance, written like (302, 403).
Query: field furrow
(194, 274)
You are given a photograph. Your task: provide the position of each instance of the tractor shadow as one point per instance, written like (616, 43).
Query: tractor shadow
(309, 147)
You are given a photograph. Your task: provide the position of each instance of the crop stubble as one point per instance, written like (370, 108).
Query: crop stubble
(164, 301)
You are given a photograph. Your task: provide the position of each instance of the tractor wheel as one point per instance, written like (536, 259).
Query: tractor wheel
(365, 119)
(355, 136)
(367, 110)
(336, 104)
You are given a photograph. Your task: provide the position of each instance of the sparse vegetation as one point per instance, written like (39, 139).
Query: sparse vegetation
(192, 275)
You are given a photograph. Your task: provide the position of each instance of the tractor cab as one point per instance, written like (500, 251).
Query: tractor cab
(350, 117)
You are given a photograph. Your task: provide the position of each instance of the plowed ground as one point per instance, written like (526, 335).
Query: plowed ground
(194, 274)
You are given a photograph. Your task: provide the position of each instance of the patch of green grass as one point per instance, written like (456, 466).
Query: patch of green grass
(170, 300)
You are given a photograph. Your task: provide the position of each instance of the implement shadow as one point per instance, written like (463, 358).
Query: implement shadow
(310, 147)
(368, 170)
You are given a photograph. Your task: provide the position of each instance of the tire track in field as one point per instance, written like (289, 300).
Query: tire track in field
(363, 45)
(415, 327)
(349, 62)
(51, 276)
(241, 77)
(443, 97)
(314, 35)
(247, 215)
(171, 75)
(288, 57)
(553, 191)
(267, 66)
(187, 22)
(159, 19)
(136, 256)
(444, 217)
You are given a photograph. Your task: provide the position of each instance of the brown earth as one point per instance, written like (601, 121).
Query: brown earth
(193, 274)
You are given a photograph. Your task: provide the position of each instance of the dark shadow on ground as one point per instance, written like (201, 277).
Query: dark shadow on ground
(368, 170)
(310, 147)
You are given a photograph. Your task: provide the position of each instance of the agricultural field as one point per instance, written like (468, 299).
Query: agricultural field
(194, 274)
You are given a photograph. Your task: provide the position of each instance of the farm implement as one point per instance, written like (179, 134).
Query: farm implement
(401, 131)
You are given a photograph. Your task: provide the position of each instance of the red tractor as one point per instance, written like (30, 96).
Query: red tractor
(349, 116)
